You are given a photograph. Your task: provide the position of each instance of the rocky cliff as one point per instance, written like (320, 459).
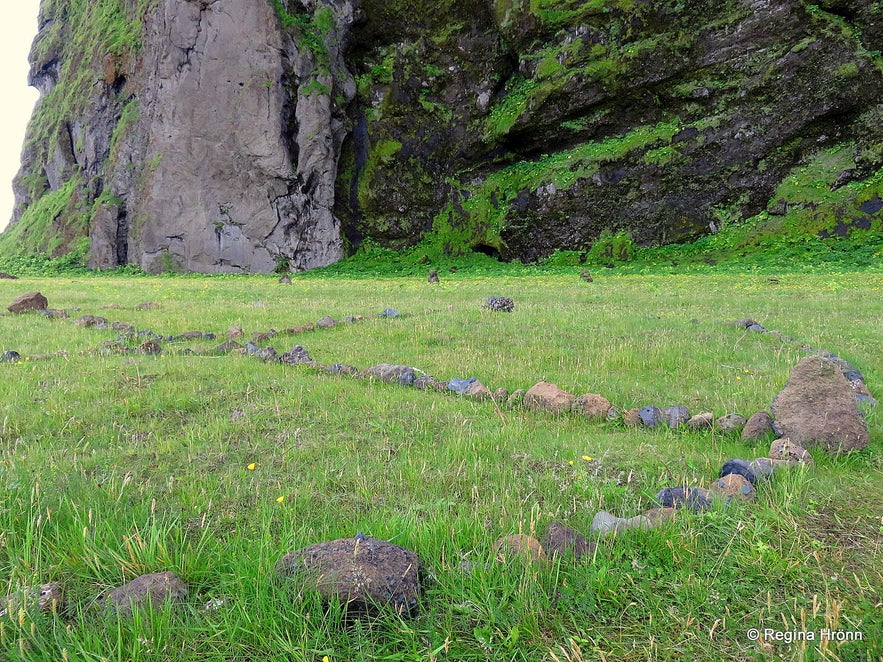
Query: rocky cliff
(250, 135)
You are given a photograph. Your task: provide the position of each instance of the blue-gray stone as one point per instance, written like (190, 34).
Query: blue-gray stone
(459, 386)
(676, 416)
(650, 416)
(740, 467)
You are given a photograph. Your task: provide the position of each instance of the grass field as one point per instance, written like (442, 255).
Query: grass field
(114, 465)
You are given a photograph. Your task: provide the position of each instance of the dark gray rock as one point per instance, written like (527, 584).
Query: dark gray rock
(342, 369)
(499, 304)
(363, 573)
(740, 467)
(5, 276)
(10, 356)
(154, 588)
(297, 356)
(389, 312)
(433, 276)
(651, 416)
(694, 498)
(54, 314)
(326, 322)
(388, 372)
(676, 416)
(424, 382)
(228, 347)
(406, 378)
(32, 301)
(817, 407)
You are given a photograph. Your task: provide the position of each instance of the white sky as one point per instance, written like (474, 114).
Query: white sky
(17, 30)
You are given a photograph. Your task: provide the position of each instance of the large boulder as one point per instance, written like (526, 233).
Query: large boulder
(363, 573)
(818, 407)
(28, 302)
(544, 395)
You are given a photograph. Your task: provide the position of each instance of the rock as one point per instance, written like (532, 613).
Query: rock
(285, 280)
(499, 304)
(228, 346)
(675, 416)
(516, 398)
(10, 356)
(739, 467)
(632, 417)
(650, 416)
(730, 423)
(147, 305)
(424, 382)
(47, 597)
(764, 467)
(756, 328)
(301, 329)
(154, 588)
(54, 314)
(235, 333)
(90, 321)
(586, 275)
(732, 486)
(500, 395)
(433, 276)
(563, 541)
(406, 378)
(387, 312)
(817, 407)
(341, 368)
(703, 421)
(478, 391)
(28, 302)
(786, 450)
(694, 498)
(388, 372)
(440, 386)
(657, 516)
(548, 397)
(122, 326)
(296, 356)
(150, 347)
(326, 322)
(459, 386)
(519, 546)
(613, 414)
(604, 523)
(267, 354)
(5, 276)
(592, 405)
(759, 426)
(744, 323)
(362, 572)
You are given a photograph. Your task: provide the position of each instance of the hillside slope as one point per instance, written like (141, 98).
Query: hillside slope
(243, 136)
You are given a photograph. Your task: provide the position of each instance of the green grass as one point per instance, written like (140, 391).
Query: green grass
(116, 465)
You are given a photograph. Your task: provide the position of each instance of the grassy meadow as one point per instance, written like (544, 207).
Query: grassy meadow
(114, 465)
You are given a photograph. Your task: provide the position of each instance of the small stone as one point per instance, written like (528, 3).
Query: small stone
(756, 328)
(285, 280)
(147, 305)
(703, 421)
(744, 323)
(388, 312)
(519, 545)
(440, 386)
(632, 417)
(613, 414)
(339, 368)
(154, 588)
(121, 326)
(759, 426)
(388, 372)
(406, 378)
(650, 416)
(150, 347)
(459, 386)
(694, 498)
(732, 486)
(657, 516)
(730, 423)
(424, 382)
(48, 597)
(54, 314)
(787, 450)
(586, 275)
(592, 405)
(740, 467)
(5, 276)
(296, 356)
(364, 573)
(235, 332)
(500, 395)
(604, 523)
(764, 467)
(563, 541)
(548, 397)
(499, 304)
(478, 391)
(90, 321)
(267, 354)
(32, 301)
(326, 322)
(675, 416)
(10, 356)
(433, 276)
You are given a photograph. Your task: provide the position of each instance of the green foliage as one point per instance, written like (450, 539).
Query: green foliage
(115, 465)
(609, 247)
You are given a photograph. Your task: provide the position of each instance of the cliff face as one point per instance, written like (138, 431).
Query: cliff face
(245, 135)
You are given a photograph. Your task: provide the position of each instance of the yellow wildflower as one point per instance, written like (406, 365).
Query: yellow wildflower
(587, 458)
(280, 499)
(251, 467)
